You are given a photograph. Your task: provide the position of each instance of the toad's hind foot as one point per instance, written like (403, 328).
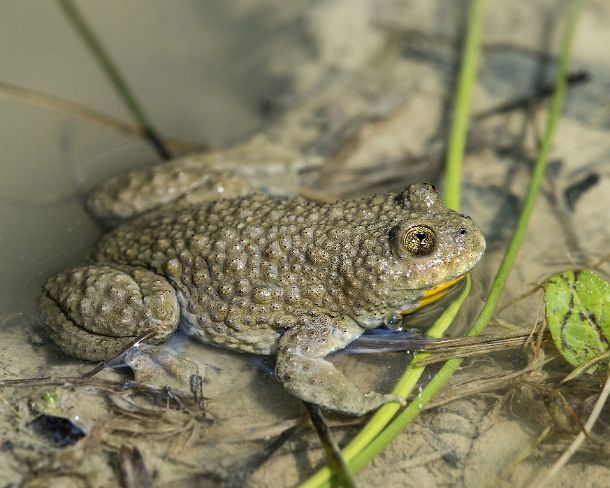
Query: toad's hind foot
(93, 312)
(304, 372)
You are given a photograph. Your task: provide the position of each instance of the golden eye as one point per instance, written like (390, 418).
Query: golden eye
(418, 240)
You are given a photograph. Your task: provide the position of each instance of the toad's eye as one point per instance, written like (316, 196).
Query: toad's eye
(418, 240)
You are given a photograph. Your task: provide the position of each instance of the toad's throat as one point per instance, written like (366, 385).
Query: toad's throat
(431, 295)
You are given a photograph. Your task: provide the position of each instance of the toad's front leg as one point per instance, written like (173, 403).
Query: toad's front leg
(304, 372)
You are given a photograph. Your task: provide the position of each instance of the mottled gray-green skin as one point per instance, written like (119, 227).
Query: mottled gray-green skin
(262, 274)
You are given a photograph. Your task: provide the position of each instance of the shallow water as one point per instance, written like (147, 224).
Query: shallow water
(215, 72)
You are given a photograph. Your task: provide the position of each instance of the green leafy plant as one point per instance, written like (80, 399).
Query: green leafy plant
(578, 317)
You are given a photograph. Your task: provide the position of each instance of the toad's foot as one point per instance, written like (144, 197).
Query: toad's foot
(156, 365)
(94, 312)
(304, 372)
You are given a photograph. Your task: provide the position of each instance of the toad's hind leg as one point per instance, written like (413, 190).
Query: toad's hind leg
(138, 191)
(255, 166)
(93, 312)
(304, 372)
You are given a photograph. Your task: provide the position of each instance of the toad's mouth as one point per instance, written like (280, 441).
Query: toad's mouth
(432, 295)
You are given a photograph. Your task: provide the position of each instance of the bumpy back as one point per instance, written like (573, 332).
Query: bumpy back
(267, 261)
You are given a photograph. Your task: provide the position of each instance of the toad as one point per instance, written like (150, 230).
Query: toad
(265, 274)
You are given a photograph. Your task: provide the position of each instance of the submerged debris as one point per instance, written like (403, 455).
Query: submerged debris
(576, 190)
(132, 468)
(59, 431)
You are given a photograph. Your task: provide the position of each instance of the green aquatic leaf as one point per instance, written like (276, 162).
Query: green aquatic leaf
(578, 315)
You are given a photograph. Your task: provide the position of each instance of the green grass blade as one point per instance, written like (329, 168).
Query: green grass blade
(461, 109)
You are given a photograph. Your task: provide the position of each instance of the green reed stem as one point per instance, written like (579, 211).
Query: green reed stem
(461, 109)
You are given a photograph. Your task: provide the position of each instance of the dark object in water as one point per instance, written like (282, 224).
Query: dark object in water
(576, 190)
(59, 431)
(132, 468)
(7, 446)
(575, 78)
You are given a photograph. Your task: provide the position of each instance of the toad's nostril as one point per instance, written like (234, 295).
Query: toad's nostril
(463, 231)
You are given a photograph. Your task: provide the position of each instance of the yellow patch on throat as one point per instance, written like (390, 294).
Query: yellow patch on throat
(432, 295)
